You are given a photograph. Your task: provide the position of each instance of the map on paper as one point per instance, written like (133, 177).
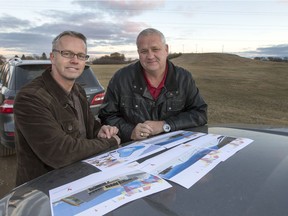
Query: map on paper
(189, 162)
(140, 149)
(100, 193)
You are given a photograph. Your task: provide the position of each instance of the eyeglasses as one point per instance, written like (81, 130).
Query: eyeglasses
(70, 55)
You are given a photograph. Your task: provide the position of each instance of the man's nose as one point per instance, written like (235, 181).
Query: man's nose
(150, 54)
(74, 58)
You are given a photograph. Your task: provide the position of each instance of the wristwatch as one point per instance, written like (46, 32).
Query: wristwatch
(166, 127)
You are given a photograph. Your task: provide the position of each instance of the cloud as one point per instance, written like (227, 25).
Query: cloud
(280, 50)
(75, 17)
(9, 22)
(97, 31)
(19, 42)
(36, 39)
(124, 8)
(96, 20)
(276, 50)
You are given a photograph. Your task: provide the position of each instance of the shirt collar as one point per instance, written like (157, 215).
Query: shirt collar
(161, 84)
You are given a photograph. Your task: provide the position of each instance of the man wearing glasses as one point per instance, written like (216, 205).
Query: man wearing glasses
(53, 122)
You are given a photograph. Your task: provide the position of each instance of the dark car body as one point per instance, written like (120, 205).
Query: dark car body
(252, 182)
(16, 73)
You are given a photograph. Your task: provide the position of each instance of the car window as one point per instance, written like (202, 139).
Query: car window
(25, 73)
(88, 79)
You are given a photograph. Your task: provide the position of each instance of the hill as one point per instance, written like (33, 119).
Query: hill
(213, 59)
(240, 90)
(237, 89)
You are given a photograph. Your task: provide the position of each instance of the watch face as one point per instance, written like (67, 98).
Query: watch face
(166, 127)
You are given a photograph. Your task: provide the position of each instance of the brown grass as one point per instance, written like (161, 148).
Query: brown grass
(237, 90)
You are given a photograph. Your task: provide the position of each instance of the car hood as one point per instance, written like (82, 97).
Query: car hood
(254, 181)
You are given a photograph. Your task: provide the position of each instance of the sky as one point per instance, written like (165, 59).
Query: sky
(246, 28)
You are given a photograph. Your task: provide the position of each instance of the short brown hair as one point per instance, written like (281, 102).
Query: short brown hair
(70, 33)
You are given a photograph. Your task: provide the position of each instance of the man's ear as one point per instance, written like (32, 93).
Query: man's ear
(52, 56)
(167, 48)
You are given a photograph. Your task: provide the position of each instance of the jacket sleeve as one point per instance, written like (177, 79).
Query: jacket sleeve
(111, 115)
(195, 111)
(39, 130)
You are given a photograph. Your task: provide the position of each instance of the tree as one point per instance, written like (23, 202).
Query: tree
(43, 57)
(114, 58)
(29, 58)
(117, 56)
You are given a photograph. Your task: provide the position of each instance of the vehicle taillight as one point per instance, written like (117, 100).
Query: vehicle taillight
(98, 99)
(10, 134)
(7, 106)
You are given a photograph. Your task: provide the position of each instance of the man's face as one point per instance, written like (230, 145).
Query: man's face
(152, 53)
(68, 68)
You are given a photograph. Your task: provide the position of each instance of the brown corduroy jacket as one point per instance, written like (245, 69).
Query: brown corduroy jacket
(47, 133)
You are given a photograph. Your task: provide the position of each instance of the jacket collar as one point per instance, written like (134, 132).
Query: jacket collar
(55, 89)
(170, 83)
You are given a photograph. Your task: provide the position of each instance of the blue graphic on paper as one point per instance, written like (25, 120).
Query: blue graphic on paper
(126, 152)
(174, 170)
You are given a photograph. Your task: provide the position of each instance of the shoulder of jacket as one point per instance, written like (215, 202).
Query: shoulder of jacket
(125, 72)
(34, 90)
(182, 72)
(33, 86)
(125, 69)
(180, 69)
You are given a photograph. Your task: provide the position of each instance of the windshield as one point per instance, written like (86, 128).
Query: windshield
(88, 79)
(25, 73)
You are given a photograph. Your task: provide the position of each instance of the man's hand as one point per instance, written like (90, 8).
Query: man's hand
(157, 126)
(118, 140)
(107, 131)
(141, 131)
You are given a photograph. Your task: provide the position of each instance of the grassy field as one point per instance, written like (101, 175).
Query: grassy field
(237, 90)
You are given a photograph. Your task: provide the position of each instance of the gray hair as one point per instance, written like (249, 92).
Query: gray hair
(70, 33)
(150, 31)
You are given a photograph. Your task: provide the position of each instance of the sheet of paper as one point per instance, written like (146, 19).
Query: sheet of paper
(169, 140)
(140, 149)
(102, 192)
(187, 163)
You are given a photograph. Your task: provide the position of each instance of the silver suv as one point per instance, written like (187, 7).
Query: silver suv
(16, 73)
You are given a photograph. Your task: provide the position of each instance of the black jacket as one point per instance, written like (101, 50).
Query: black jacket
(128, 101)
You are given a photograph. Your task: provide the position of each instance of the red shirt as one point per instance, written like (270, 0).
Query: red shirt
(156, 91)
